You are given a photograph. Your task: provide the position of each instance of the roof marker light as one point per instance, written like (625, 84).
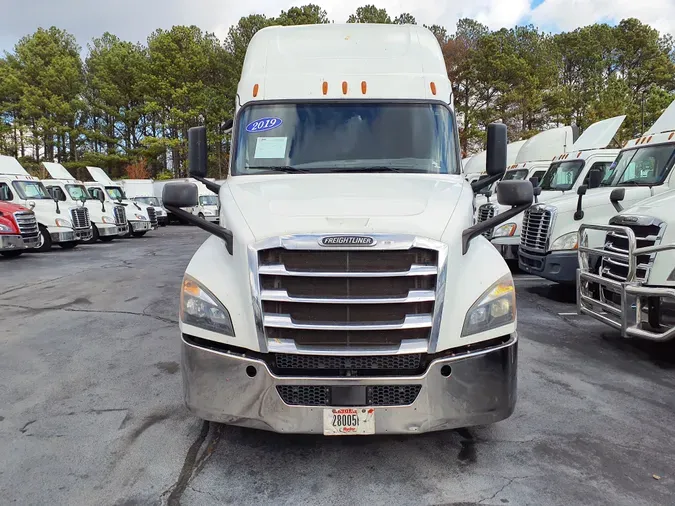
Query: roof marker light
(671, 135)
(364, 87)
(255, 90)
(324, 87)
(344, 87)
(578, 154)
(649, 139)
(433, 87)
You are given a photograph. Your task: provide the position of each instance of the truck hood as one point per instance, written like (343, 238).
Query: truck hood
(10, 208)
(659, 206)
(274, 205)
(568, 202)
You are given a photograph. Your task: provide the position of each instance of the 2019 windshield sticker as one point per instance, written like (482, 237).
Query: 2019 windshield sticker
(263, 125)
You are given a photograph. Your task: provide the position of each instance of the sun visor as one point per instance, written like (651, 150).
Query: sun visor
(57, 171)
(10, 165)
(100, 176)
(598, 135)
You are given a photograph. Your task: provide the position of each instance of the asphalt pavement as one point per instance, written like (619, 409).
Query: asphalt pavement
(91, 409)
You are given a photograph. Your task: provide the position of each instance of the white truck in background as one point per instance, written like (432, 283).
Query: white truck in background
(143, 192)
(633, 290)
(550, 239)
(346, 290)
(55, 222)
(207, 206)
(474, 166)
(565, 173)
(108, 221)
(141, 218)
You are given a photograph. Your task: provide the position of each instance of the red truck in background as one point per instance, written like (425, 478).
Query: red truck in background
(18, 229)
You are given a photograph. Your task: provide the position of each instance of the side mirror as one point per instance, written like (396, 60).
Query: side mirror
(180, 194)
(534, 181)
(496, 149)
(101, 197)
(581, 191)
(197, 151)
(594, 178)
(617, 195)
(515, 193)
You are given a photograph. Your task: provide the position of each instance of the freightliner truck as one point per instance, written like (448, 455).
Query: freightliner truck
(345, 290)
(18, 227)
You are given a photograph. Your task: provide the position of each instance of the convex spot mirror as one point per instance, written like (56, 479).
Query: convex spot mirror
(180, 194)
(515, 193)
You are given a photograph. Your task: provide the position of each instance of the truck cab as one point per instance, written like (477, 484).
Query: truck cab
(550, 238)
(18, 227)
(55, 221)
(142, 191)
(563, 175)
(107, 220)
(345, 290)
(633, 290)
(140, 217)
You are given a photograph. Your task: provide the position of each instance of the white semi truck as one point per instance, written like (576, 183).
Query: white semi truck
(346, 290)
(108, 221)
(143, 192)
(564, 174)
(57, 224)
(550, 238)
(141, 217)
(633, 288)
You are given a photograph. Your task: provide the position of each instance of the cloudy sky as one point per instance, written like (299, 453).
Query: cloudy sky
(135, 19)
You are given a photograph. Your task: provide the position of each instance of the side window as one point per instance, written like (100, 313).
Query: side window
(57, 193)
(96, 193)
(5, 192)
(602, 166)
(539, 174)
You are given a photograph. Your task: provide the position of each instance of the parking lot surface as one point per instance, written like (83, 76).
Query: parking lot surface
(91, 408)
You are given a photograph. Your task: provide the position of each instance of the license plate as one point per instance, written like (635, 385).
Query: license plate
(348, 421)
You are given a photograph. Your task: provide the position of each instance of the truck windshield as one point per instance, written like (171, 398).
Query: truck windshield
(208, 200)
(150, 201)
(512, 175)
(31, 190)
(645, 166)
(346, 136)
(561, 176)
(115, 192)
(78, 192)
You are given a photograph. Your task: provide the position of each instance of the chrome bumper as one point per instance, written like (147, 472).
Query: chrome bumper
(15, 242)
(122, 229)
(63, 236)
(627, 315)
(481, 389)
(84, 234)
(139, 226)
(106, 230)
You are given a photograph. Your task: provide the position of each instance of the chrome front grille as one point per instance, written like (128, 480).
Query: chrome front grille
(120, 215)
(348, 298)
(152, 214)
(80, 218)
(648, 232)
(537, 223)
(485, 212)
(28, 225)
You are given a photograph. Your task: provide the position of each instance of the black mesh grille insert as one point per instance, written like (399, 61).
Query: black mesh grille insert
(376, 395)
(334, 362)
(346, 337)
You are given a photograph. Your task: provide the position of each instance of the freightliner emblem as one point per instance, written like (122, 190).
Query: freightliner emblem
(347, 240)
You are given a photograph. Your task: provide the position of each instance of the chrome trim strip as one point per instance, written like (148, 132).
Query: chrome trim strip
(256, 303)
(413, 296)
(407, 346)
(415, 270)
(417, 321)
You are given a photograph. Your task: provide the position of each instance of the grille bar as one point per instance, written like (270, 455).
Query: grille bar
(413, 296)
(120, 215)
(410, 322)
(28, 226)
(415, 270)
(152, 214)
(80, 217)
(485, 212)
(536, 229)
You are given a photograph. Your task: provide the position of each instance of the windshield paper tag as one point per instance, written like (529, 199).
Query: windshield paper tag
(263, 125)
(270, 147)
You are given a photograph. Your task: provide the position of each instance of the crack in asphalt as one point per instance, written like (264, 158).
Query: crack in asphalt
(64, 307)
(25, 427)
(193, 462)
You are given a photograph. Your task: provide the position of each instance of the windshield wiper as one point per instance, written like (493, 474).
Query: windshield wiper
(631, 182)
(281, 168)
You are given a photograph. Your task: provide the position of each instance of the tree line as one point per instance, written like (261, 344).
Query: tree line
(127, 106)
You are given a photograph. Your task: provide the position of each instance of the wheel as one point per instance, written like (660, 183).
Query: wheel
(45, 243)
(140, 233)
(68, 244)
(107, 238)
(11, 254)
(94, 236)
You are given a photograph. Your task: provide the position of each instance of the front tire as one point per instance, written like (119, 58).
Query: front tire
(10, 254)
(68, 244)
(45, 243)
(94, 235)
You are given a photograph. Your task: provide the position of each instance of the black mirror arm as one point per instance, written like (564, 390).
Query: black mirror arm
(579, 214)
(617, 206)
(212, 228)
(214, 187)
(481, 227)
(482, 183)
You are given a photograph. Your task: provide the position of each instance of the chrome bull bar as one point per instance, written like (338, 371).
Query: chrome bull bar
(627, 315)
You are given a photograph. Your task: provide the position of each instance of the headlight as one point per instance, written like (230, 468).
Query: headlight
(496, 307)
(60, 222)
(110, 221)
(201, 308)
(5, 228)
(506, 230)
(140, 217)
(567, 241)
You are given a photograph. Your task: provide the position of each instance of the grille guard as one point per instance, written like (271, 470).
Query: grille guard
(627, 317)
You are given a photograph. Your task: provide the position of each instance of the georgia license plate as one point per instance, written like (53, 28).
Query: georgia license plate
(348, 421)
